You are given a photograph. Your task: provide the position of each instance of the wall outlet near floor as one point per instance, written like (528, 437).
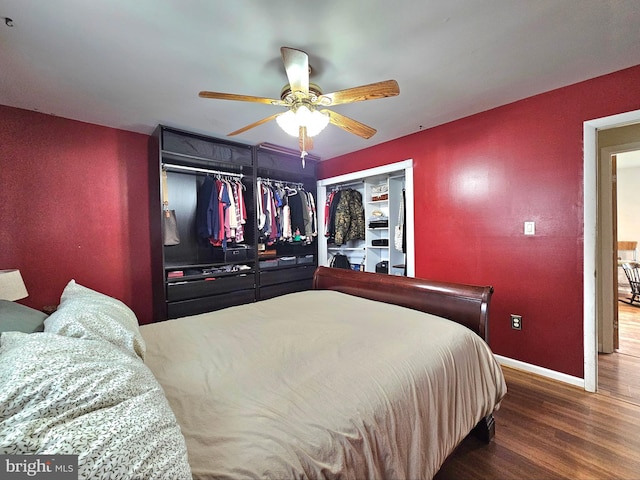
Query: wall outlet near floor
(516, 322)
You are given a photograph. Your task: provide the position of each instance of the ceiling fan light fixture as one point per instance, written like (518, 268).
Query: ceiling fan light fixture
(303, 116)
(288, 123)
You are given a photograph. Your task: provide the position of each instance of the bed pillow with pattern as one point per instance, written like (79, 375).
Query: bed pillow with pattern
(85, 313)
(81, 387)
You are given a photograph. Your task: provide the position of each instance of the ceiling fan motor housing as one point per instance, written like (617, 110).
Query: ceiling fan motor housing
(286, 95)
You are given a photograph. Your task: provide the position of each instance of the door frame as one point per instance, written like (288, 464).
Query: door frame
(605, 239)
(614, 254)
(591, 246)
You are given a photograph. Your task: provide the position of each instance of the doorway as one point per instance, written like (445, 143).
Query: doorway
(616, 143)
(619, 340)
(593, 287)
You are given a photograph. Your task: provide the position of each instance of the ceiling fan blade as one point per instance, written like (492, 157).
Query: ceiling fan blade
(255, 124)
(349, 124)
(388, 88)
(296, 64)
(304, 141)
(241, 98)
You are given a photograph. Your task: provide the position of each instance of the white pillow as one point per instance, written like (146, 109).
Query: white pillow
(85, 313)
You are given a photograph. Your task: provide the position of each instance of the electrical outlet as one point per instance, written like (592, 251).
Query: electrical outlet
(516, 322)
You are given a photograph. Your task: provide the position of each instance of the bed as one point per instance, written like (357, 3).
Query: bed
(349, 380)
(364, 376)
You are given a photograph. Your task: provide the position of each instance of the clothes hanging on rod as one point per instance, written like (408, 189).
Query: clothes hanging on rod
(221, 210)
(269, 181)
(344, 216)
(286, 211)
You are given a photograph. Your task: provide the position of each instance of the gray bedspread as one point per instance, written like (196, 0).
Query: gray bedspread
(320, 384)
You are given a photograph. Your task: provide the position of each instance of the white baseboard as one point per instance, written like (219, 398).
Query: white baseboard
(544, 372)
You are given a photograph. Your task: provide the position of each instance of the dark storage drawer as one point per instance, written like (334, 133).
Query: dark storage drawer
(284, 288)
(272, 277)
(209, 304)
(307, 259)
(239, 253)
(295, 248)
(271, 263)
(199, 288)
(287, 261)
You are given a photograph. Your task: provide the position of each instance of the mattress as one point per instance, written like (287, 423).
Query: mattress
(321, 384)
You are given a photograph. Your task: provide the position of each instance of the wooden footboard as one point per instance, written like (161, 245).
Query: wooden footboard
(464, 304)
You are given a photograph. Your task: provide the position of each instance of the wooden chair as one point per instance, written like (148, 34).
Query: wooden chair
(632, 271)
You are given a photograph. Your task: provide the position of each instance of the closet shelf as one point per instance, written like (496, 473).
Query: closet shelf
(183, 266)
(205, 276)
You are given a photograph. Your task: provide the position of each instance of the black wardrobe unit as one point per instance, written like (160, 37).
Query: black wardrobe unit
(285, 266)
(200, 273)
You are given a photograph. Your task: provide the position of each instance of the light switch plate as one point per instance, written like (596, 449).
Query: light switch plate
(529, 228)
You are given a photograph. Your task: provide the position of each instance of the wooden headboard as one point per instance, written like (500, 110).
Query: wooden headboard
(464, 304)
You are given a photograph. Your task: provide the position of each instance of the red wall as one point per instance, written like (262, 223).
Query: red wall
(74, 204)
(478, 179)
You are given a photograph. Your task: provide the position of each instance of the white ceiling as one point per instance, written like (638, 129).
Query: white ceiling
(134, 64)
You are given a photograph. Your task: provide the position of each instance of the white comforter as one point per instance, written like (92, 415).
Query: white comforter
(320, 384)
(81, 388)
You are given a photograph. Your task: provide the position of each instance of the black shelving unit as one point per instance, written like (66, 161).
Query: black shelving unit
(194, 276)
(295, 262)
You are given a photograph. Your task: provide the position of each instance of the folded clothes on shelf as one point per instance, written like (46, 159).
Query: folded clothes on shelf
(379, 192)
(380, 242)
(378, 215)
(379, 224)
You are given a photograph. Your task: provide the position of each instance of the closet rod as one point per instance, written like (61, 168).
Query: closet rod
(297, 184)
(343, 185)
(201, 170)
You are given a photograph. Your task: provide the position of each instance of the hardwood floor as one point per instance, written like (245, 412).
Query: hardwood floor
(629, 321)
(550, 430)
(619, 372)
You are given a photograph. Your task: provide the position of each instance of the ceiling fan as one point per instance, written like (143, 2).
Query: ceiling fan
(306, 114)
